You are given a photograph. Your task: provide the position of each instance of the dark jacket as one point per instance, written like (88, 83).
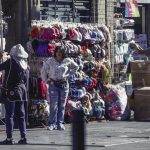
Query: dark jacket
(17, 78)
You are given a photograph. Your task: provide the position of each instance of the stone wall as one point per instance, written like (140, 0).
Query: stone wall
(101, 13)
(110, 24)
(104, 12)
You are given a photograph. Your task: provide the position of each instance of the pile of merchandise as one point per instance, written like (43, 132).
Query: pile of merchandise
(88, 45)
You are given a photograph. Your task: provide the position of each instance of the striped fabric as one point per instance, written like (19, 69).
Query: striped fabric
(131, 8)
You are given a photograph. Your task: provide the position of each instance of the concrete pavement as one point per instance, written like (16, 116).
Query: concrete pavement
(111, 135)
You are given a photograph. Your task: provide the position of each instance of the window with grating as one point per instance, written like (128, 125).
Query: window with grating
(66, 10)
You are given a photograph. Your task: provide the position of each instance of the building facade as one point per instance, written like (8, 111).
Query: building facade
(15, 12)
(19, 13)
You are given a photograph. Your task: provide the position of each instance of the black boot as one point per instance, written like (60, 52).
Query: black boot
(22, 141)
(7, 142)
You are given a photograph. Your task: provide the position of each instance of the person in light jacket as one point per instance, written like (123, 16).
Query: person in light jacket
(55, 72)
(16, 75)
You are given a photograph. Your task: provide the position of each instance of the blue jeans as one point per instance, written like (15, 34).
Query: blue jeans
(18, 109)
(58, 98)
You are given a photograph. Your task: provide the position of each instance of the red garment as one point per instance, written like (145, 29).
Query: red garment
(42, 89)
(35, 32)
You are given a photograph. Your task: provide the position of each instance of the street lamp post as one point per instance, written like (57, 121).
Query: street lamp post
(1, 26)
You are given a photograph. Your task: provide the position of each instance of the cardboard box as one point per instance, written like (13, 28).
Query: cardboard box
(142, 104)
(140, 72)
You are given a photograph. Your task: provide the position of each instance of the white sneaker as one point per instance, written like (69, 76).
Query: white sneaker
(61, 127)
(52, 127)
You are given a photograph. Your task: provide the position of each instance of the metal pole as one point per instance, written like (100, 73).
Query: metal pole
(73, 10)
(106, 12)
(55, 8)
(94, 9)
(1, 25)
(78, 130)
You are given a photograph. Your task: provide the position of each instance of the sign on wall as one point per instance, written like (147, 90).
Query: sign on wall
(131, 8)
(141, 39)
(139, 1)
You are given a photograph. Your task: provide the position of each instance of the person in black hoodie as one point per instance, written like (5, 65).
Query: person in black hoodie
(15, 77)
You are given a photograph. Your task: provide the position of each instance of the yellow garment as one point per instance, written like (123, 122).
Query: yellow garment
(106, 73)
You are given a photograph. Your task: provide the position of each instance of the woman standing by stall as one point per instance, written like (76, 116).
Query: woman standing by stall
(55, 72)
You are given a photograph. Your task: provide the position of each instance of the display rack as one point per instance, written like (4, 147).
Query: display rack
(78, 40)
(123, 35)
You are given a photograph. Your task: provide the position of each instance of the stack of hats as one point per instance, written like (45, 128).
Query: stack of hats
(77, 92)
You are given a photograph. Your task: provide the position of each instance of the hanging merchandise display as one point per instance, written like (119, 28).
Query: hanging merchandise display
(86, 44)
(123, 36)
(127, 70)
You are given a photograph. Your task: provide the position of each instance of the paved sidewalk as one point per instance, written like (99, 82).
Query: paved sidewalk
(111, 135)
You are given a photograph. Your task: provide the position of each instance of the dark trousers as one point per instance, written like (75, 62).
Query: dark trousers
(18, 109)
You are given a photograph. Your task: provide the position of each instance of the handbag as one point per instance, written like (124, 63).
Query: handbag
(12, 92)
(61, 84)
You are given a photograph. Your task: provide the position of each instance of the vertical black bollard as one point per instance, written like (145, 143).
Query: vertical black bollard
(78, 130)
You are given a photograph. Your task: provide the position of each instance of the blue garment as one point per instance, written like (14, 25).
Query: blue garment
(58, 98)
(18, 109)
(98, 106)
